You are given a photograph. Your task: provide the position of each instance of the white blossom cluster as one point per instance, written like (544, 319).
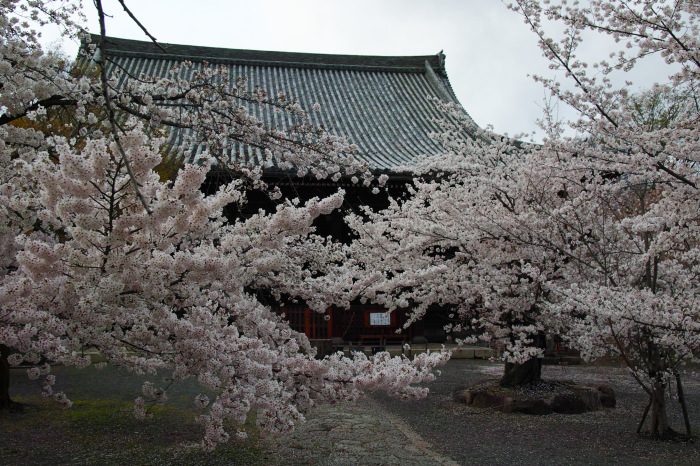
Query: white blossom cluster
(594, 238)
(99, 253)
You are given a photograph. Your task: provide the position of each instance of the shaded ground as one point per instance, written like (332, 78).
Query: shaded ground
(363, 433)
(473, 436)
(100, 429)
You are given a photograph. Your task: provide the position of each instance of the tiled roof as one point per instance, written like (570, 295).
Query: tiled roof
(381, 103)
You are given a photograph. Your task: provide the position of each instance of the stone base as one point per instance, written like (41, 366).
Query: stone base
(539, 398)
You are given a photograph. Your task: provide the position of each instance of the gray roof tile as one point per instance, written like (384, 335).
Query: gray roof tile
(381, 103)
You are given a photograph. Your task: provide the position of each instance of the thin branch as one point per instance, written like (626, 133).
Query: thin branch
(143, 28)
(565, 63)
(677, 176)
(627, 361)
(108, 105)
(53, 101)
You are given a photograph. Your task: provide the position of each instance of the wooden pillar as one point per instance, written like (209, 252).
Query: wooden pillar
(307, 322)
(330, 323)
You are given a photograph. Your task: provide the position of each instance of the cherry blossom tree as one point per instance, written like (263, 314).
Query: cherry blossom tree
(592, 237)
(100, 253)
(456, 242)
(31, 81)
(628, 218)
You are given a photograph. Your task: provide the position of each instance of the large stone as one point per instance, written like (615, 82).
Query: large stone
(463, 395)
(589, 396)
(570, 399)
(568, 403)
(484, 399)
(607, 396)
(324, 347)
(534, 407)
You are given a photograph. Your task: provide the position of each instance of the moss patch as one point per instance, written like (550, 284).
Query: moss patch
(102, 429)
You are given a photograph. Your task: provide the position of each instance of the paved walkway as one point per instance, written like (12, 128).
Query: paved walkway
(363, 433)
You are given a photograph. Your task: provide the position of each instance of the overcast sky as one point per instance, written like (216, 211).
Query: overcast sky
(490, 51)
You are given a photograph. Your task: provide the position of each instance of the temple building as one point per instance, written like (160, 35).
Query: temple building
(384, 105)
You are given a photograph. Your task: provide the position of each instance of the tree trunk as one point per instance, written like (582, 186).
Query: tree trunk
(684, 407)
(521, 374)
(530, 371)
(659, 418)
(644, 416)
(5, 400)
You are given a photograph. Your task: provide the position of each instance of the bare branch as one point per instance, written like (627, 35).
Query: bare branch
(143, 28)
(110, 110)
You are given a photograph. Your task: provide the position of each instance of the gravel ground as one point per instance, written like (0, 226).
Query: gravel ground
(377, 430)
(471, 436)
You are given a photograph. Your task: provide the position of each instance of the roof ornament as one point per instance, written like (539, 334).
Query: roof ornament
(437, 85)
(441, 59)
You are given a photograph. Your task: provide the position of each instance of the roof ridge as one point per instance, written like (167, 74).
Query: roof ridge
(410, 64)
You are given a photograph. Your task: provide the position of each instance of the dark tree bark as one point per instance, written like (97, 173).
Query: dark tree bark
(659, 419)
(644, 416)
(528, 372)
(681, 400)
(5, 400)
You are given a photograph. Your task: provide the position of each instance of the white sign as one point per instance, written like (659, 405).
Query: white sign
(379, 318)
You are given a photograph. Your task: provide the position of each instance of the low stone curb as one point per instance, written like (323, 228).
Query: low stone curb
(572, 399)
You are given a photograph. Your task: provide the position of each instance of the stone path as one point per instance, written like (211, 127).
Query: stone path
(363, 433)
(385, 431)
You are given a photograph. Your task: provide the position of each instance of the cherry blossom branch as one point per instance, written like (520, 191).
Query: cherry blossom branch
(139, 24)
(53, 101)
(627, 361)
(110, 110)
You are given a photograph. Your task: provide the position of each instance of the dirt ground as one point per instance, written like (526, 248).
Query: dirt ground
(100, 428)
(473, 436)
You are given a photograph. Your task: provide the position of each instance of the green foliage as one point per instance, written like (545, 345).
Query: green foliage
(659, 108)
